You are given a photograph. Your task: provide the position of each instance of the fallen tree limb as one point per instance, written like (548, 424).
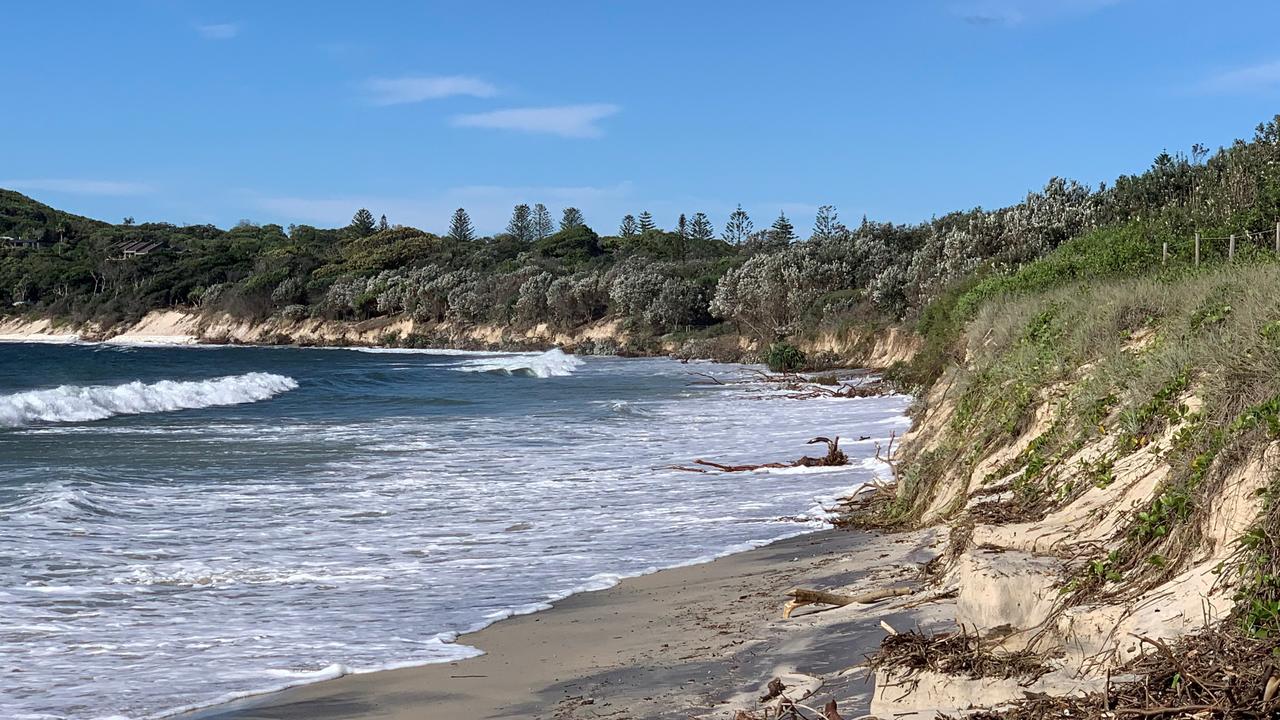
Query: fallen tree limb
(806, 596)
(741, 468)
(834, 457)
(712, 378)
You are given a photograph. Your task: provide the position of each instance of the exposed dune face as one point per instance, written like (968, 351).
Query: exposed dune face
(607, 336)
(1014, 578)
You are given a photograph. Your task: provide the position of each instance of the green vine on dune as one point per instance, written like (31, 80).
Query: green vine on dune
(1151, 541)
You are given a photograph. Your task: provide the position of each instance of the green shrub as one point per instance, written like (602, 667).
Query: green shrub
(784, 357)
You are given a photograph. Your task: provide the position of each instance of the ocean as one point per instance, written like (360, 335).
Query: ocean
(186, 525)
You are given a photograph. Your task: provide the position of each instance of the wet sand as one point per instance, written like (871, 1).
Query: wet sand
(687, 642)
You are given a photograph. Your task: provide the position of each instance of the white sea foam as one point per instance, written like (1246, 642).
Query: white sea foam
(424, 351)
(248, 552)
(50, 339)
(128, 340)
(72, 403)
(552, 363)
(622, 407)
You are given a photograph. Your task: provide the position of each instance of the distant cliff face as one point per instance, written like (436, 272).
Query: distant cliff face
(876, 348)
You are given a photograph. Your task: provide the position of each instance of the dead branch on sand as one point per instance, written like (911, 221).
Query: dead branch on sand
(785, 708)
(834, 457)
(886, 456)
(806, 596)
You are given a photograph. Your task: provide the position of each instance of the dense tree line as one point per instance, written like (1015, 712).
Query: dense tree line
(768, 283)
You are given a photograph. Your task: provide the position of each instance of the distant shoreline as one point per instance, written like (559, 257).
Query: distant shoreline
(876, 349)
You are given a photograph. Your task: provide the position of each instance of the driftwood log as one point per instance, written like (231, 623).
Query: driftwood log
(834, 457)
(806, 596)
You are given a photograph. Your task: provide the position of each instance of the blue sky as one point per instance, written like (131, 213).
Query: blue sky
(296, 112)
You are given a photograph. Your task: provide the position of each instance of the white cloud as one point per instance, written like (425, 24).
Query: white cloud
(1013, 13)
(76, 186)
(1254, 78)
(218, 31)
(397, 91)
(576, 121)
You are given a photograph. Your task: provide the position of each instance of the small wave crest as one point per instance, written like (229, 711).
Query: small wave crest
(72, 403)
(552, 363)
(622, 407)
(59, 502)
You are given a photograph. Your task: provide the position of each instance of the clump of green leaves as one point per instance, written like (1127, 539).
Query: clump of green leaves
(784, 357)
(1171, 506)
(1271, 332)
(1102, 471)
(1105, 569)
(1215, 308)
(1141, 423)
(1257, 594)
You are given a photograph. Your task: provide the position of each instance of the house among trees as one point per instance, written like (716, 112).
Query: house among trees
(25, 243)
(138, 248)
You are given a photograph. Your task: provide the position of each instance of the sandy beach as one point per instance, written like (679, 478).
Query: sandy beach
(698, 641)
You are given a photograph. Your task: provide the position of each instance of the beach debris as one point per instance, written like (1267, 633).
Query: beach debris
(961, 652)
(773, 690)
(1218, 672)
(782, 699)
(708, 379)
(801, 597)
(800, 387)
(835, 457)
(867, 508)
(782, 707)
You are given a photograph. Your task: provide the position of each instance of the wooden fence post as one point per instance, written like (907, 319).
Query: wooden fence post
(1278, 237)
(1164, 253)
(1197, 249)
(1231, 249)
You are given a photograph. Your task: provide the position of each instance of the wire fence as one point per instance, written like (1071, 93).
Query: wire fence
(1268, 239)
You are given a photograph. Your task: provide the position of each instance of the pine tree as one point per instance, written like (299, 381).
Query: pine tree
(628, 226)
(738, 229)
(646, 222)
(701, 228)
(572, 218)
(682, 238)
(541, 224)
(782, 232)
(362, 223)
(382, 224)
(521, 225)
(826, 226)
(460, 228)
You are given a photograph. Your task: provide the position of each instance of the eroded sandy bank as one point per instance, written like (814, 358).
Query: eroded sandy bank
(873, 348)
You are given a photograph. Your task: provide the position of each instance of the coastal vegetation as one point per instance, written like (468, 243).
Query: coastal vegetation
(1103, 419)
(767, 285)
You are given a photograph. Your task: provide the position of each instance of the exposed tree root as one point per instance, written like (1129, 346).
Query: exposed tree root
(955, 653)
(1216, 673)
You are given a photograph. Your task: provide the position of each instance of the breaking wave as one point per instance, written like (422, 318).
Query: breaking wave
(552, 363)
(72, 403)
